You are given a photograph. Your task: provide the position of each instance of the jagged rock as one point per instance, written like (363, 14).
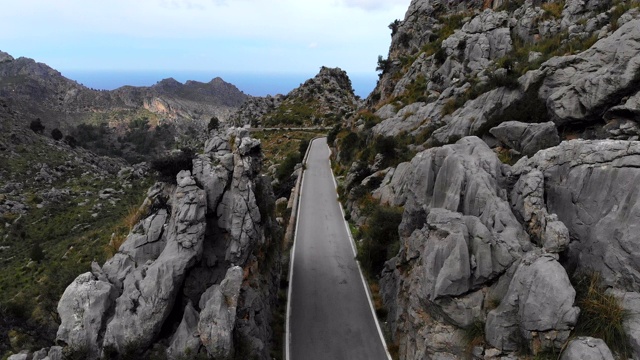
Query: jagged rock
(579, 88)
(591, 186)
(238, 212)
(538, 307)
(527, 200)
(474, 117)
(218, 315)
(186, 340)
(464, 311)
(216, 145)
(213, 178)
(527, 138)
(82, 309)
(146, 241)
(464, 177)
(149, 291)
(587, 348)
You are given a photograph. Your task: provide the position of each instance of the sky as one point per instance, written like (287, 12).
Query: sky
(276, 37)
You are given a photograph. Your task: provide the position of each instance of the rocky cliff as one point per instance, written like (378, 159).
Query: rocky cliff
(323, 100)
(520, 119)
(198, 275)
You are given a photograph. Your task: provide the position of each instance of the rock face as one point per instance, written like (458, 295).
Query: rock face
(85, 303)
(176, 257)
(579, 88)
(591, 186)
(527, 138)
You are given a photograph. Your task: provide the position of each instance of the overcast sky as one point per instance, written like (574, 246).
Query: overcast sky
(280, 36)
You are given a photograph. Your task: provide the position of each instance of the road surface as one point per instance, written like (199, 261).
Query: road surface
(329, 313)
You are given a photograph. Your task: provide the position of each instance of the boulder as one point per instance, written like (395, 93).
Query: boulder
(526, 138)
(587, 348)
(537, 308)
(82, 310)
(218, 315)
(476, 115)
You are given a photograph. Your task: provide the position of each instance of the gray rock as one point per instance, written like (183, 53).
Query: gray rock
(527, 200)
(464, 177)
(145, 241)
(218, 316)
(55, 353)
(580, 87)
(23, 355)
(538, 307)
(592, 187)
(527, 138)
(216, 145)
(82, 309)
(186, 340)
(238, 213)
(587, 348)
(475, 115)
(213, 178)
(149, 291)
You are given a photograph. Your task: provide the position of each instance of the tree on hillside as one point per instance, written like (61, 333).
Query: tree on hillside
(36, 126)
(56, 134)
(214, 123)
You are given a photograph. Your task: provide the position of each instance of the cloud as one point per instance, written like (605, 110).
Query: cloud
(313, 45)
(375, 4)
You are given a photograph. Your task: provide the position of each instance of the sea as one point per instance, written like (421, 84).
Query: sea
(255, 84)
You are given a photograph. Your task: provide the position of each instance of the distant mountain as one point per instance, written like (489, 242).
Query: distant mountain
(39, 91)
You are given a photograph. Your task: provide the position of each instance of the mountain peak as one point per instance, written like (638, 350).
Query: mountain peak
(5, 57)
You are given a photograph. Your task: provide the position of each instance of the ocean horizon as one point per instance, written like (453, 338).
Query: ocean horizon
(254, 84)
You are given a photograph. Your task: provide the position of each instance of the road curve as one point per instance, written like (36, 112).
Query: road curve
(329, 316)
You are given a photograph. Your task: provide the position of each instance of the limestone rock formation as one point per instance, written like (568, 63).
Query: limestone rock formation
(591, 187)
(207, 225)
(526, 138)
(537, 308)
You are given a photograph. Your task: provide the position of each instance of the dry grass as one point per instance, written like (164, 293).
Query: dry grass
(601, 314)
(554, 9)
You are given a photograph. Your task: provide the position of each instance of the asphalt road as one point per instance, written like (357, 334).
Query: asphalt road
(329, 317)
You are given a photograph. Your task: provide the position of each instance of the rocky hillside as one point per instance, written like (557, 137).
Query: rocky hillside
(519, 123)
(196, 277)
(323, 100)
(60, 206)
(42, 92)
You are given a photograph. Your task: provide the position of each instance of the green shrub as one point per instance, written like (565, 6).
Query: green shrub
(214, 123)
(36, 126)
(169, 166)
(380, 240)
(56, 134)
